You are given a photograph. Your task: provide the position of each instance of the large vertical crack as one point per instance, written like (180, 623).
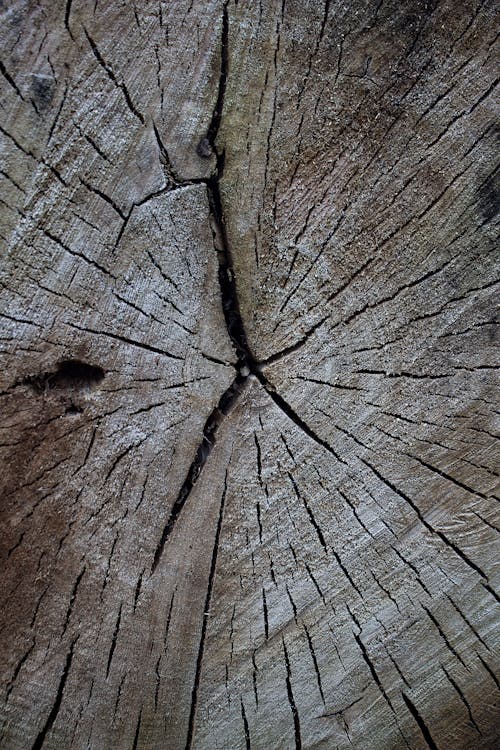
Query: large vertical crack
(216, 120)
(246, 365)
(229, 298)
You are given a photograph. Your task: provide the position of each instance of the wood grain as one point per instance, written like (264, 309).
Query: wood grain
(248, 346)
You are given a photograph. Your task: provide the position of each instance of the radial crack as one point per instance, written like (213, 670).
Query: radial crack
(226, 403)
(206, 610)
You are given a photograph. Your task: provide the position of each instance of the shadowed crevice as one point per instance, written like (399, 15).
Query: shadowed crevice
(246, 363)
(70, 373)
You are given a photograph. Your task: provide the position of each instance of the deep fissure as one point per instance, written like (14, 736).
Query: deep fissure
(246, 365)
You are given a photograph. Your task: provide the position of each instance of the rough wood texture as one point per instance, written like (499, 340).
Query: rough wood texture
(248, 375)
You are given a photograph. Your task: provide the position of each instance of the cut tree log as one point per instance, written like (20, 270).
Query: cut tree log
(248, 375)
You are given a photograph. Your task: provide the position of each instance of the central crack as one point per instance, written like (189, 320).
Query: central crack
(246, 365)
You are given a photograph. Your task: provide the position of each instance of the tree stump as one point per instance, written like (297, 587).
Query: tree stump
(248, 366)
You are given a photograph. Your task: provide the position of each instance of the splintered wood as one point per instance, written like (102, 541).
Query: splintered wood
(248, 375)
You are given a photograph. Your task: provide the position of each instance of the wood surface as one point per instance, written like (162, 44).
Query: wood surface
(247, 387)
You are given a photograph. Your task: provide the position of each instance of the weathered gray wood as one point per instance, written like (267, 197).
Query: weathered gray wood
(248, 375)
